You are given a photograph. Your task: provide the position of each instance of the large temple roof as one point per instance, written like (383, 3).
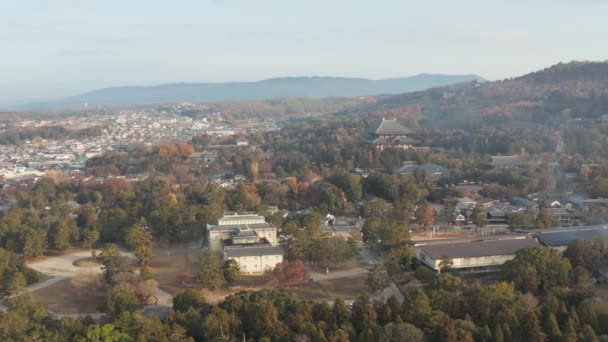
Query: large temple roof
(391, 127)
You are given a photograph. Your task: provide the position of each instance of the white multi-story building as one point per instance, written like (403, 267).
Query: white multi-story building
(247, 239)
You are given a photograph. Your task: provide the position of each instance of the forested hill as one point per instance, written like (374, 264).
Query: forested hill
(310, 87)
(563, 92)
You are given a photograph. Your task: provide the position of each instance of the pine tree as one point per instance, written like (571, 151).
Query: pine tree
(448, 332)
(507, 332)
(339, 336)
(498, 334)
(588, 315)
(575, 320)
(552, 328)
(588, 335)
(341, 312)
(417, 308)
(211, 274)
(570, 331)
(531, 330)
(486, 334)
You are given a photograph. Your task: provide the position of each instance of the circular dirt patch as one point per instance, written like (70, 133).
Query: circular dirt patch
(86, 262)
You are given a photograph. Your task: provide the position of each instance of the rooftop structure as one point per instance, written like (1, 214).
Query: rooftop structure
(390, 133)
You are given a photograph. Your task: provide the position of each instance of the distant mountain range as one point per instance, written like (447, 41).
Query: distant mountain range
(274, 88)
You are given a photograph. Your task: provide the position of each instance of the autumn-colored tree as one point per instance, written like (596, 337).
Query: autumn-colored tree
(34, 242)
(479, 216)
(378, 278)
(89, 238)
(63, 232)
(426, 217)
(139, 238)
(543, 220)
(290, 272)
(231, 271)
(446, 264)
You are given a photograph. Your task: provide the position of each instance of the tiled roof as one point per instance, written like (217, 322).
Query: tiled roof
(253, 251)
(394, 141)
(236, 227)
(564, 237)
(478, 248)
(505, 160)
(391, 127)
(428, 168)
(237, 218)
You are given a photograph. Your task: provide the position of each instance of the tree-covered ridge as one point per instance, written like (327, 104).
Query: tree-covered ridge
(550, 96)
(274, 88)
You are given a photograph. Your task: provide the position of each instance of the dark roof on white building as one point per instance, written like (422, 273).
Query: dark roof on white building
(564, 236)
(478, 248)
(237, 252)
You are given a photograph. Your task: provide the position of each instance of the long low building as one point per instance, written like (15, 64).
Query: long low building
(560, 238)
(255, 259)
(481, 255)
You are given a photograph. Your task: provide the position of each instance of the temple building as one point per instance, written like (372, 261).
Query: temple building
(391, 134)
(247, 239)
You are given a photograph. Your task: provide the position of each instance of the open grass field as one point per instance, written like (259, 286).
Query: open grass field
(346, 288)
(312, 290)
(86, 262)
(165, 270)
(82, 294)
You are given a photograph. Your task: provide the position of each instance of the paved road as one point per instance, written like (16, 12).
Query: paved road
(45, 283)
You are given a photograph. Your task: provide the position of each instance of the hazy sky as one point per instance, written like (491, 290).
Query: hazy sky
(55, 48)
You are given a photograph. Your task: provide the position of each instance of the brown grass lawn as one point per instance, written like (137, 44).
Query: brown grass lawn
(256, 281)
(311, 290)
(347, 265)
(602, 291)
(87, 262)
(346, 288)
(166, 268)
(73, 295)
